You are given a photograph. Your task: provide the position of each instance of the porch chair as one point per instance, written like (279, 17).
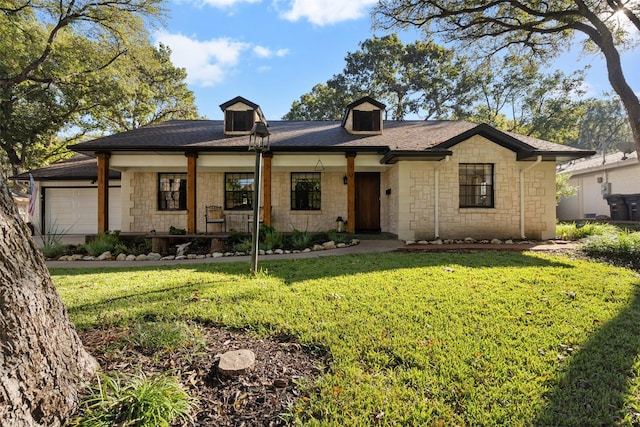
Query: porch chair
(215, 215)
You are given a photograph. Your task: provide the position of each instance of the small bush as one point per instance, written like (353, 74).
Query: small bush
(577, 231)
(622, 248)
(141, 401)
(338, 237)
(270, 239)
(104, 242)
(177, 231)
(168, 336)
(242, 246)
(53, 249)
(300, 239)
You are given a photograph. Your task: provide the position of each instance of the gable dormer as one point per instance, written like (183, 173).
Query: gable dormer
(364, 117)
(239, 116)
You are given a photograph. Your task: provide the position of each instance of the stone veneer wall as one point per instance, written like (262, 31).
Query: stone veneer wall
(417, 201)
(333, 204)
(389, 180)
(144, 209)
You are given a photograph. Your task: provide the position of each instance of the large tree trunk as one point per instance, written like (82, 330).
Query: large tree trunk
(42, 361)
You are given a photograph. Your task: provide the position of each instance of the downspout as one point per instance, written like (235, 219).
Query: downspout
(436, 216)
(522, 171)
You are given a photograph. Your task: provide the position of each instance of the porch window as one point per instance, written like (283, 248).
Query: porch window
(305, 191)
(172, 191)
(238, 190)
(366, 120)
(476, 185)
(238, 121)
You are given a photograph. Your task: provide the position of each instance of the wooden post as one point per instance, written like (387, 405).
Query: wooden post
(351, 193)
(103, 192)
(267, 188)
(192, 160)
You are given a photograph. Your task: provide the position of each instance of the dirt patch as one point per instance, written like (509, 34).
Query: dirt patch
(259, 397)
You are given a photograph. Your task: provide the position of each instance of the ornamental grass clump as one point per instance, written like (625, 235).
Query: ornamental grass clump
(622, 248)
(150, 337)
(577, 231)
(141, 401)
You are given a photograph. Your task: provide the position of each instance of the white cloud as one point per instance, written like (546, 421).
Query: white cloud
(265, 52)
(325, 12)
(209, 62)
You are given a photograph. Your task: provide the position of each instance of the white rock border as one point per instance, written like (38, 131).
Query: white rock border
(152, 256)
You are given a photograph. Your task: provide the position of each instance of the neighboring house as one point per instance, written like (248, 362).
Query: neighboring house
(596, 177)
(414, 179)
(68, 197)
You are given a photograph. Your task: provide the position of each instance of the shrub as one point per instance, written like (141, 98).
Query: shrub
(338, 237)
(300, 239)
(141, 401)
(104, 242)
(622, 248)
(177, 231)
(270, 239)
(52, 249)
(242, 246)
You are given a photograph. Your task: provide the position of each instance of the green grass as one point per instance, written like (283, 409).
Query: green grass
(140, 401)
(574, 231)
(487, 338)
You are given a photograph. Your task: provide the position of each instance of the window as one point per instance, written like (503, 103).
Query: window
(172, 192)
(238, 121)
(238, 190)
(366, 120)
(476, 185)
(305, 191)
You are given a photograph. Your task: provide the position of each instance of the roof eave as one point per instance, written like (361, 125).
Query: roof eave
(556, 156)
(393, 157)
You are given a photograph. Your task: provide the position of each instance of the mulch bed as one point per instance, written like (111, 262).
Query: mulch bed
(260, 397)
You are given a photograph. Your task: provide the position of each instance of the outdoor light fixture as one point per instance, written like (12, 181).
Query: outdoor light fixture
(345, 180)
(258, 142)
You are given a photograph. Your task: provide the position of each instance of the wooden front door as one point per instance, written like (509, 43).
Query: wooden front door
(367, 201)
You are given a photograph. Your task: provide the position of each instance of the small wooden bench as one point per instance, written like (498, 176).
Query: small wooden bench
(160, 242)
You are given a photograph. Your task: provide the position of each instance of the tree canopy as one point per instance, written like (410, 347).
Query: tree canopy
(68, 68)
(541, 28)
(420, 77)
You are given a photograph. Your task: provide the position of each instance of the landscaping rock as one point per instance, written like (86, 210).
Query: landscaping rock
(278, 252)
(306, 250)
(496, 241)
(317, 248)
(168, 258)
(121, 257)
(218, 254)
(88, 258)
(153, 256)
(423, 242)
(410, 242)
(234, 363)
(141, 257)
(469, 240)
(508, 242)
(341, 245)
(130, 258)
(104, 256)
(329, 245)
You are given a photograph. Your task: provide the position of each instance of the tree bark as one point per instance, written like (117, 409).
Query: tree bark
(42, 361)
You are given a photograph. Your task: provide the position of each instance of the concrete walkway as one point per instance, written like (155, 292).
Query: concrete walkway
(365, 246)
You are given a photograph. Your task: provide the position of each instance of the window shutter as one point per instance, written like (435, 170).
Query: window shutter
(228, 122)
(376, 120)
(249, 119)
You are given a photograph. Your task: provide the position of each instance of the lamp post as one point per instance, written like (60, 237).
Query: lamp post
(258, 142)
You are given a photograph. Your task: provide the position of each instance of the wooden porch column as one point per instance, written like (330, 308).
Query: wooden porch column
(351, 193)
(267, 188)
(103, 192)
(192, 214)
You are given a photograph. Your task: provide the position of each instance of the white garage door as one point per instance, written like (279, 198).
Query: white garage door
(75, 210)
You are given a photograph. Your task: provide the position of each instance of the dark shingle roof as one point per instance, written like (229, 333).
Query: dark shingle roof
(406, 136)
(80, 167)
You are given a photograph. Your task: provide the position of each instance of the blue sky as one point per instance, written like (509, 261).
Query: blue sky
(273, 51)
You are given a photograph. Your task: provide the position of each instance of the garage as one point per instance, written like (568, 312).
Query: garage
(75, 210)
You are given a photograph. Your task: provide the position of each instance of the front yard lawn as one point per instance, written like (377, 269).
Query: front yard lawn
(484, 338)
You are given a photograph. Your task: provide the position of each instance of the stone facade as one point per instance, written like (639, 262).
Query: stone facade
(407, 199)
(416, 210)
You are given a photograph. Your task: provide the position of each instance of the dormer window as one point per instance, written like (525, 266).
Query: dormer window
(364, 121)
(239, 121)
(239, 116)
(364, 117)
